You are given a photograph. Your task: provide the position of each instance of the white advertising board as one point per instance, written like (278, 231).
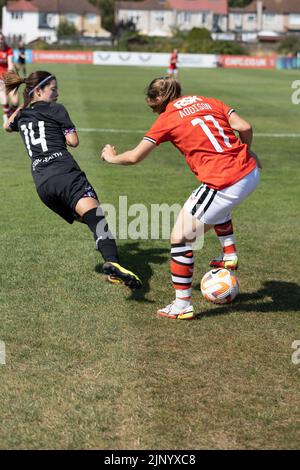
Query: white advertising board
(152, 59)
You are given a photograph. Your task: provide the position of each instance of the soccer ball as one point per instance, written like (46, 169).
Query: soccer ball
(219, 286)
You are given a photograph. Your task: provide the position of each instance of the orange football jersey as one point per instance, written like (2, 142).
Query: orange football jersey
(199, 128)
(173, 60)
(4, 54)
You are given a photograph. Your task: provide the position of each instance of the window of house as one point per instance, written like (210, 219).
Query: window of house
(17, 15)
(184, 17)
(43, 20)
(91, 18)
(237, 18)
(251, 18)
(270, 18)
(135, 19)
(134, 16)
(294, 19)
(159, 18)
(187, 17)
(50, 20)
(72, 18)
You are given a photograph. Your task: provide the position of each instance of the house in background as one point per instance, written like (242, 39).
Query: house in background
(159, 17)
(267, 18)
(38, 19)
(260, 20)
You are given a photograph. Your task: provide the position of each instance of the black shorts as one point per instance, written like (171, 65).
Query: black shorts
(62, 192)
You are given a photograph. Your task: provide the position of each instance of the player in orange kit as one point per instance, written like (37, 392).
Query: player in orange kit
(202, 129)
(6, 64)
(173, 66)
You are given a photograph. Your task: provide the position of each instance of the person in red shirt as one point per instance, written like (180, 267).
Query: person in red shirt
(6, 64)
(173, 66)
(203, 130)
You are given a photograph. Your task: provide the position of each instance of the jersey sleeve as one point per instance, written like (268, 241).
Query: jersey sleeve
(61, 115)
(222, 107)
(158, 132)
(228, 110)
(9, 52)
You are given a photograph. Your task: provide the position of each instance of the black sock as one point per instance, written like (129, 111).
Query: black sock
(105, 242)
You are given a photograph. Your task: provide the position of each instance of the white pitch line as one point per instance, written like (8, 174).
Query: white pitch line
(277, 135)
(138, 131)
(116, 131)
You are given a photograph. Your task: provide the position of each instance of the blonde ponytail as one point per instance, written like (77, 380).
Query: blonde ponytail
(166, 88)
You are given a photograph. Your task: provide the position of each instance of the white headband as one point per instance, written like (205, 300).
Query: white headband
(39, 84)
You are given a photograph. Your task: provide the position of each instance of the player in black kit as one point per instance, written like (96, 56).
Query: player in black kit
(46, 129)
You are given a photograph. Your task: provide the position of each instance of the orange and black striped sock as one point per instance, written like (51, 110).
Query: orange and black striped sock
(226, 237)
(182, 267)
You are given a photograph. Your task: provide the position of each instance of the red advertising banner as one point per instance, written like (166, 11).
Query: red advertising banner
(63, 57)
(247, 62)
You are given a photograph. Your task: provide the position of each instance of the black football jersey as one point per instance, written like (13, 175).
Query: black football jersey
(42, 127)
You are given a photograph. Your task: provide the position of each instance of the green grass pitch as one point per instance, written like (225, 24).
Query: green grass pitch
(88, 364)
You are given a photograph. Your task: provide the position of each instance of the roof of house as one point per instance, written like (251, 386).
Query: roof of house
(274, 6)
(52, 6)
(217, 6)
(145, 5)
(21, 5)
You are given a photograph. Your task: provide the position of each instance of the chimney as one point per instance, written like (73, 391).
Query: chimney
(259, 12)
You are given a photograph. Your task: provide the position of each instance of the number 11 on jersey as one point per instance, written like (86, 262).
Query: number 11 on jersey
(209, 134)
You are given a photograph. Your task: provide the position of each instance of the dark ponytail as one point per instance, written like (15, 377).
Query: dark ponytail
(12, 81)
(36, 79)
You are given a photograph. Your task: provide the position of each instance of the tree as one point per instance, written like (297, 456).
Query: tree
(66, 29)
(290, 45)
(107, 10)
(197, 40)
(238, 3)
(198, 34)
(2, 3)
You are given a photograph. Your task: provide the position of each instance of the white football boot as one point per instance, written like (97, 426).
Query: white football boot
(173, 312)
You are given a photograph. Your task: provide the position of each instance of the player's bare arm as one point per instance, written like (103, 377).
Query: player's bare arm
(130, 157)
(6, 126)
(10, 63)
(245, 131)
(72, 139)
(243, 127)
